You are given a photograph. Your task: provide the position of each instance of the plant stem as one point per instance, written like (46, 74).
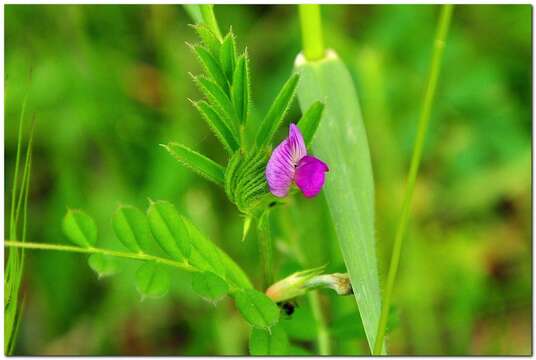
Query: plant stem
(265, 248)
(322, 336)
(424, 119)
(92, 250)
(311, 29)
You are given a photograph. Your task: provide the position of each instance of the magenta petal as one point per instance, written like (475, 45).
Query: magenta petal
(310, 175)
(282, 164)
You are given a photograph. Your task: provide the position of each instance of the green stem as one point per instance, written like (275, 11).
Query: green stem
(311, 29)
(92, 250)
(322, 336)
(439, 45)
(265, 248)
(207, 12)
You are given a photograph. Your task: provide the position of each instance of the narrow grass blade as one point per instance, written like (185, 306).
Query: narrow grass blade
(197, 162)
(277, 111)
(211, 66)
(310, 120)
(342, 143)
(219, 99)
(228, 55)
(208, 38)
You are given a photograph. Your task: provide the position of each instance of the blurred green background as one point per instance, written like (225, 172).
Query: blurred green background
(110, 83)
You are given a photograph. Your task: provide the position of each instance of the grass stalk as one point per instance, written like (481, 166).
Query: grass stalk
(265, 248)
(311, 29)
(424, 119)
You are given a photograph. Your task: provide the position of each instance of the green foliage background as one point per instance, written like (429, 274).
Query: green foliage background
(109, 83)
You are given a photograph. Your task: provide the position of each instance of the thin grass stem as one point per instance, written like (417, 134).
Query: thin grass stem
(311, 30)
(424, 119)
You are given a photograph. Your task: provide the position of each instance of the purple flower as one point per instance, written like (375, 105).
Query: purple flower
(290, 163)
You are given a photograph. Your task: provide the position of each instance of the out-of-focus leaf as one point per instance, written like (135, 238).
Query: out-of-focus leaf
(194, 11)
(80, 228)
(152, 280)
(240, 88)
(277, 111)
(103, 265)
(211, 66)
(308, 123)
(257, 308)
(228, 55)
(209, 286)
(268, 342)
(132, 228)
(193, 160)
(169, 229)
(341, 142)
(218, 126)
(350, 325)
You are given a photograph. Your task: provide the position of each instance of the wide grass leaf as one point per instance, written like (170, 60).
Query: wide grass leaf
(80, 228)
(341, 142)
(152, 280)
(197, 162)
(257, 308)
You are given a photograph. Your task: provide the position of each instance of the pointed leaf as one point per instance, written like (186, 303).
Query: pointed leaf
(257, 308)
(208, 38)
(152, 280)
(277, 111)
(263, 342)
(217, 96)
(103, 265)
(209, 286)
(197, 162)
(211, 66)
(228, 56)
(169, 229)
(341, 142)
(218, 126)
(310, 120)
(132, 228)
(80, 228)
(240, 88)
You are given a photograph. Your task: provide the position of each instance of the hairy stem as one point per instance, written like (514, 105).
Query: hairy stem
(265, 248)
(92, 250)
(424, 119)
(311, 29)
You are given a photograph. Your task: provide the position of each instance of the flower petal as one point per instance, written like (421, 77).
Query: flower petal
(280, 170)
(296, 144)
(310, 175)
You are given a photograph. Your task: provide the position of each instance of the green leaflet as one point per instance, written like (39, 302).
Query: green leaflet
(152, 280)
(277, 112)
(240, 88)
(193, 160)
(218, 126)
(217, 96)
(228, 56)
(209, 286)
(169, 229)
(206, 256)
(263, 342)
(257, 308)
(211, 66)
(80, 228)
(342, 143)
(103, 265)
(208, 38)
(132, 228)
(309, 121)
